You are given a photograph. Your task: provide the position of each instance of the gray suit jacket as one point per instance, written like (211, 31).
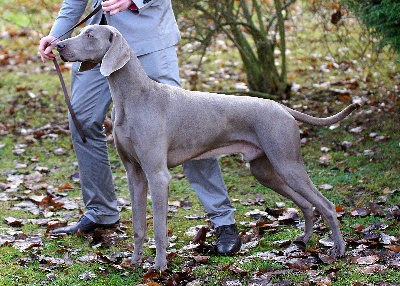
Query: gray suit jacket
(151, 29)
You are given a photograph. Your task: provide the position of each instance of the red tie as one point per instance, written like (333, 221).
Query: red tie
(133, 7)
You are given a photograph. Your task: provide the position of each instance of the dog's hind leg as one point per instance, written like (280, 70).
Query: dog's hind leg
(263, 171)
(293, 173)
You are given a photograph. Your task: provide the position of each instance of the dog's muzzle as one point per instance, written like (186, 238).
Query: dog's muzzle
(60, 48)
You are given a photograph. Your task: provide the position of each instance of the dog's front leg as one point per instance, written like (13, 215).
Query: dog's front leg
(159, 183)
(137, 183)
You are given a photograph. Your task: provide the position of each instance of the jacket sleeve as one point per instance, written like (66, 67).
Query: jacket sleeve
(70, 13)
(144, 4)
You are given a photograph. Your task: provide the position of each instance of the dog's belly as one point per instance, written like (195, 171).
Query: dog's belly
(248, 150)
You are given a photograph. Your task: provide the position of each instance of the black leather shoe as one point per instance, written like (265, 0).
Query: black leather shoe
(84, 225)
(228, 240)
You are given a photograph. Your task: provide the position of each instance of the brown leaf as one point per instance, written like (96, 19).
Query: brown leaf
(6, 239)
(381, 138)
(237, 270)
(326, 258)
(335, 18)
(200, 236)
(276, 212)
(282, 243)
(360, 212)
(375, 268)
(171, 255)
(48, 202)
(66, 186)
(26, 244)
(376, 209)
(359, 228)
(180, 278)
(340, 210)
(290, 216)
(151, 274)
(201, 259)
(395, 248)
(53, 224)
(14, 221)
(298, 263)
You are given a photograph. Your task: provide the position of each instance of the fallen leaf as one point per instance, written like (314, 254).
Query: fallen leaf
(89, 257)
(395, 248)
(327, 241)
(202, 259)
(326, 187)
(360, 212)
(201, 235)
(371, 259)
(87, 275)
(28, 243)
(298, 263)
(358, 129)
(325, 159)
(60, 151)
(326, 258)
(15, 222)
(290, 216)
(6, 239)
(237, 270)
(374, 269)
(151, 274)
(387, 239)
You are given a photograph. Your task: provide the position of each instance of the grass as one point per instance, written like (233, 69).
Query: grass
(31, 99)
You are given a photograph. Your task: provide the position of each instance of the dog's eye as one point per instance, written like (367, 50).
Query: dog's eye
(89, 35)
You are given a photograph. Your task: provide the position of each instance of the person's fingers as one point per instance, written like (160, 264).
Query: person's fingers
(46, 46)
(115, 6)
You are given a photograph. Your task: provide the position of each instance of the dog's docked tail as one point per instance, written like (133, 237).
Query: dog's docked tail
(323, 121)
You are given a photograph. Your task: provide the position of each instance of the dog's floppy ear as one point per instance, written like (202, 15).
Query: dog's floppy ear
(85, 66)
(117, 55)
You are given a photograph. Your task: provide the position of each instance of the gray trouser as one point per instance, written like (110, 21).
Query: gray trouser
(91, 100)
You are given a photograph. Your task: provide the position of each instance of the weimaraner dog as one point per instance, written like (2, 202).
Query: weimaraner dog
(157, 127)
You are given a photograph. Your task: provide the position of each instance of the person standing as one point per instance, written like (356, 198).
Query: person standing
(150, 28)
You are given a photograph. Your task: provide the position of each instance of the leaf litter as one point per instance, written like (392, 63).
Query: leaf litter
(371, 248)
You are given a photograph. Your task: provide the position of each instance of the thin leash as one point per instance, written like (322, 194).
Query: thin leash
(67, 100)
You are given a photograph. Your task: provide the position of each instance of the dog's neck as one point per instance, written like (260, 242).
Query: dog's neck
(132, 71)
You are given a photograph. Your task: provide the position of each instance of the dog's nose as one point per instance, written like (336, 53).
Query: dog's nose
(60, 46)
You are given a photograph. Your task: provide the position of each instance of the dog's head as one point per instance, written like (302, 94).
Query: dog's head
(96, 44)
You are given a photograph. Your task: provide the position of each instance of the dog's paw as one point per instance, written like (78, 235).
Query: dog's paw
(337, 250)
(136, 259)
(161, 264)
(304, 238)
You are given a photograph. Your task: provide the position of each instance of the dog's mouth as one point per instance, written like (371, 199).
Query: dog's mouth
(62, 57)
(65, 56)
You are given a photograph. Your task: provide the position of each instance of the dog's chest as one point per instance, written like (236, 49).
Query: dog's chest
(124, 144)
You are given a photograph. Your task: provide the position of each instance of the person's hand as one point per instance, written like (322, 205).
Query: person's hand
(115, 6)
(46, 46)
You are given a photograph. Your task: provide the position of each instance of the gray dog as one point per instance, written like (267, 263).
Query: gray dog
(157, 127)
